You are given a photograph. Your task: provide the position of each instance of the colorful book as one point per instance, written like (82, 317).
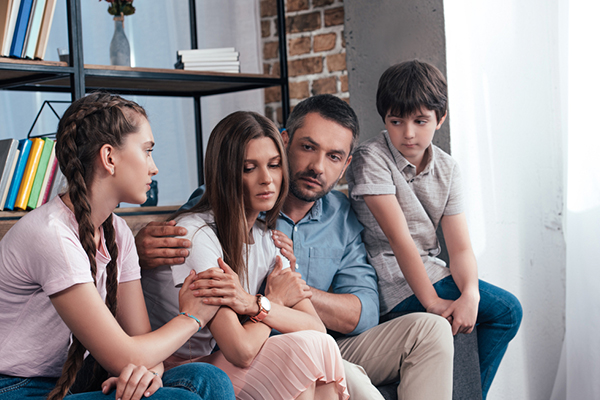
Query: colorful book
(34, 29)
(11, 174)
(36, 187)
(40, 50)
(18, 41)
(48, 177)
(29, 174)
(8, 152)
(24, 148)
(12, 21)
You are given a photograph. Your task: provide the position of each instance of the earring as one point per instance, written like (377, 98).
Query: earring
(112, 171)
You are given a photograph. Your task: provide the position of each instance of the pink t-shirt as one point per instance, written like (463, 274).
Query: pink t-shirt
(40, 256)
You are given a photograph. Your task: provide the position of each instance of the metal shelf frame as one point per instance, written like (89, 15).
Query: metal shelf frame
(78, 79)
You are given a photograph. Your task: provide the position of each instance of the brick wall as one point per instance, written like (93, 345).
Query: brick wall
(316, 51)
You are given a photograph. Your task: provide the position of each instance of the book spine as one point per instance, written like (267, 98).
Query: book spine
(40, 50)
(14, 13)
(34, 33)
(8, 162)
(10, 179)
(5, 7)
(29, 21)
(52, 162)
(29, 174)
(21, 28)
(207, 51)
(36, 187)
(24, 148)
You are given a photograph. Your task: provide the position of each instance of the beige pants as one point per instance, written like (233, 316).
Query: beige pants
(416, 348)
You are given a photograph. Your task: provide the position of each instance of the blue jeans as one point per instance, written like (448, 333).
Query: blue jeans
(195, 381)
(498, 321)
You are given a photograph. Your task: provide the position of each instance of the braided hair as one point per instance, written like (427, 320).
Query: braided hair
(87, 125)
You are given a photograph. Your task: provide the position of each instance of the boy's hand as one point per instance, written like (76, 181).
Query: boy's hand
(439, 307)
(462, 314)
(156, 244)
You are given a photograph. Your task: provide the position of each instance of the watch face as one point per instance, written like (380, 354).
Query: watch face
(265, 303)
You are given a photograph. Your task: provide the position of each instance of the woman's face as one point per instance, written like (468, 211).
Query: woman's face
(262, 175)
(134, 166)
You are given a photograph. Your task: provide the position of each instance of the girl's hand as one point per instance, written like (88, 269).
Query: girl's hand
(462, 314)
(286, 245)
(133, 383)
(190, 304)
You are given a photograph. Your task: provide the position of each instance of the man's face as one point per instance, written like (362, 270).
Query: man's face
(318, 156)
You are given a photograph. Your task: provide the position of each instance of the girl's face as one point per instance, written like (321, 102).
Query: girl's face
(134, 166)
(262, 175)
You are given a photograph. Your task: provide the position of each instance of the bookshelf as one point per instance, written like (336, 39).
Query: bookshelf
(78, 78)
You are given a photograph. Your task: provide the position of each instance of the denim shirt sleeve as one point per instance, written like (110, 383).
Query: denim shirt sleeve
(356, 276)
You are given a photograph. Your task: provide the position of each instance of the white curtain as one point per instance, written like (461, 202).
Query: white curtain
(505, 63)
(155, 32)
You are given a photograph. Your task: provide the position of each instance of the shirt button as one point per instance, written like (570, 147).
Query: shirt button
(295, 229)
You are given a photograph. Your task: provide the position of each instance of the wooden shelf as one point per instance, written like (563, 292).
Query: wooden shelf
(55, 76)
(136, 217)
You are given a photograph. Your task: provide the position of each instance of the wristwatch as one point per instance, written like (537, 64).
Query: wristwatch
(264, 306)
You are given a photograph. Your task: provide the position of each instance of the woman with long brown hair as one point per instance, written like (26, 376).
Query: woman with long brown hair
(65, 265)
(230, 229)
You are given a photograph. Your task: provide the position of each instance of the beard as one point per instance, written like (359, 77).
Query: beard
(305, 195)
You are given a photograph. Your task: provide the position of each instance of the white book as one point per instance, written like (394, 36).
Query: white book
(12, 173)
(211, 64)
(36, 23)
(234, 56)
(12, 22)
(206, 51)
(214, 69)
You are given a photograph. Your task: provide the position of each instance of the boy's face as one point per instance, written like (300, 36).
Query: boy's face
(413, 134)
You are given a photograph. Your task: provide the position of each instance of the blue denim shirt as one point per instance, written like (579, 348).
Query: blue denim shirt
(330, 252)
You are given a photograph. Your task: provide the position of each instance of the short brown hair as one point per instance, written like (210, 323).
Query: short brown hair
(407, 87)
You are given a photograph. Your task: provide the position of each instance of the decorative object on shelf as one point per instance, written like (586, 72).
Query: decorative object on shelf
(152, 195)
(120, 53)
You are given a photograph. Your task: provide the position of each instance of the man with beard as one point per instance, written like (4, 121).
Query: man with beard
(331, 266)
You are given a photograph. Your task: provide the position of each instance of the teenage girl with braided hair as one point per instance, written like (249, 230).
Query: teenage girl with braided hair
(64, 265)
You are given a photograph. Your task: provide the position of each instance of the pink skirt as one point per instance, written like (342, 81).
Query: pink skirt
(285, 367)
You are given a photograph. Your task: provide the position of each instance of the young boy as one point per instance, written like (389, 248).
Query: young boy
(402, 187)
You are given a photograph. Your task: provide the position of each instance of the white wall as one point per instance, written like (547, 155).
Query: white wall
(505, 66)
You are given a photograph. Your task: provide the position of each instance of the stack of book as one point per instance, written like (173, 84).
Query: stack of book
(25, 27)
(29, 173)
(217, 60)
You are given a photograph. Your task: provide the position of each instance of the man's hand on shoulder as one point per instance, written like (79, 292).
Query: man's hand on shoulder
(157, 244)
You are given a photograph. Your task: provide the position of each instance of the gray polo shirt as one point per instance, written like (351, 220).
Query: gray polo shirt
(378, 168)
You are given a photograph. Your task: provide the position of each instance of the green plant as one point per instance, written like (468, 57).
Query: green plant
(118, 7)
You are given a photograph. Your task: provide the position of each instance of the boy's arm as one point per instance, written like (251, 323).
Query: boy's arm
(463, 267)
(389, 216)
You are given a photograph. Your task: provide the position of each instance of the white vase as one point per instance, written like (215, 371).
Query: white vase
(120, 54)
